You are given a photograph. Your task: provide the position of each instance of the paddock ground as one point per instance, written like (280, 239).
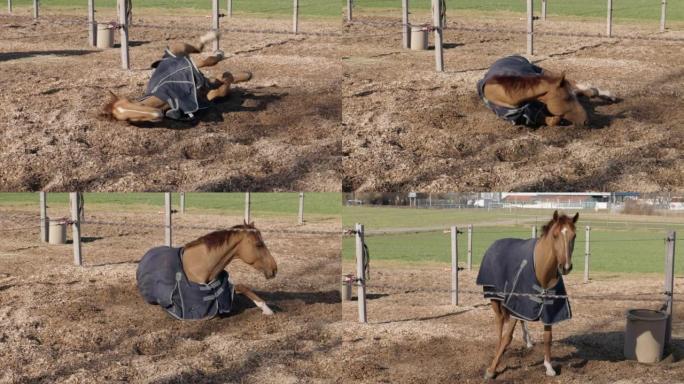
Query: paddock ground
(407, 127)
(279, 131)
(415, 335)
(61, 323)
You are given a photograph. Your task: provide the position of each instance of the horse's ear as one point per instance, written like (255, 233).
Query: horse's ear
(560, 81)
(251, 224)
(574, 219)
(555, 215)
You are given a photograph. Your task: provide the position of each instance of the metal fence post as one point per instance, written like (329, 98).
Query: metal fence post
(167, 219)
(454, 265)
(587, 252)
(123, 23)
(36, 9)
(669, 282)
(470, 247)
(182, 202)
(230, 8)
(530, 27)
(9, 6)
(350, 3)
(609, 21)
(43, 218)
(75, 200)
(360, 275)
(295, 17)
(406, 27)
(543, 10)
(92, 31)
(248, 204)
(437, 23)
(663, 8)
(301, 208)
(215, 21)
(534, 231)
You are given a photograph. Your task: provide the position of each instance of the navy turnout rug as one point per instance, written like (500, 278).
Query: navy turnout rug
(162, 281)
(530, 114)
(176, 80)
(508, 267)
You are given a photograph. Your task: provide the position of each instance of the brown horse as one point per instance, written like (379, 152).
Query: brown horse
(524, 93)
(547, 259)
(152, 108)
(206, 257)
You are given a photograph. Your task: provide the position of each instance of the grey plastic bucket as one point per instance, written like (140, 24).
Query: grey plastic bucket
(57, 234)
(645, 335)
(419, 38)
(105, 36)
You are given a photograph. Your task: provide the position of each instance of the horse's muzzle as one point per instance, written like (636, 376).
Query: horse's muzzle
(566, 271)
(270, 274)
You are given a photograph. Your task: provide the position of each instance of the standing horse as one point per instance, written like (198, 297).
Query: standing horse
(177, 88)
(524, 281)
(523, 93)
(191, 283)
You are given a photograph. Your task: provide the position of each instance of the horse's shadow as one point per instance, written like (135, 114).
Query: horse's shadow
(8, 56)
(606, 346)
(239, 100)
(242, 303)
(598, 120)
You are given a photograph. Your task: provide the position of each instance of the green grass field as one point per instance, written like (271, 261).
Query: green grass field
(307, 8)
(316, 205)
(622, 9)
(617, 244)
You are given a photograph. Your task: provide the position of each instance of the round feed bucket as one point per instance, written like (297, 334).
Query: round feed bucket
(419, 38)
(346, 288)
(57, 234)
(645, 335)
(105, 35)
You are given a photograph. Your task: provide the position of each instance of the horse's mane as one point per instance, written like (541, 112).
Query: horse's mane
(515, 83)
(562, 220)
(218, 238)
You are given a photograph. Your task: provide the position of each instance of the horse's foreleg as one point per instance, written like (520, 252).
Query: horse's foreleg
(505, 342)
(184, 49)
(499, 319)
(221, 88)
(526, 335)
(552, 121)
(548, 338)
(259, 302)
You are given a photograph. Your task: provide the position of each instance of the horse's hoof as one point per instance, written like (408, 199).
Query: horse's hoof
(267, 311)
(550, 372)
(530, 345)
(488, 376)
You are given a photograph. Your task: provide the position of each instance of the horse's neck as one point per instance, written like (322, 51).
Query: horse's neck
(515, 97)
(202, 265)
(546, 261)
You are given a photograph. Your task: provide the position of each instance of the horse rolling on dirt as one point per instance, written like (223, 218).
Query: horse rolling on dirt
(190, 282)
(523, 279)
(177, 88)
(523, 93)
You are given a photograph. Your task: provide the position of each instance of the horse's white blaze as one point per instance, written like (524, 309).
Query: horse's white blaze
(549, 368)
(564, 231)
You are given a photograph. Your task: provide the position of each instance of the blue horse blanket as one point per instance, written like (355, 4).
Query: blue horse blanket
(508, 267)
(176, 80)
(161, 280)
(530, 114)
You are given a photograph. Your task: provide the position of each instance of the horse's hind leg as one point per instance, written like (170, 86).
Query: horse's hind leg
(259, 302)
(548, 338)
(184, 49)
(526, 335)
(221, 88)
(505, 342)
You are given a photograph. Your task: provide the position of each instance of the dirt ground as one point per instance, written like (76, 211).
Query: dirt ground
(407, 126)
(62, 323)
(415, 335)
(279, 131)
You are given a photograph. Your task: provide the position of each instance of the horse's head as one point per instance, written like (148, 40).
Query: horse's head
(253, 251)
(561, 228)
(120, 108)
(561, 101)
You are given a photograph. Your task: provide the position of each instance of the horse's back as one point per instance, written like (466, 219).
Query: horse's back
(502, 258)
(156, 274)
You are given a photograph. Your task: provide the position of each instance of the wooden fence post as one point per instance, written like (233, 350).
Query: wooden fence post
(123, 24)
(360, 275)
(182, 202)
(43, 218)
(92, 31)
(609, 21)
(534, 231)
(669, 282)
(215, 21)
(587, 252)
(663, 7)
(530, 27)
(301, 208)
(470, 247)
(543, 10)
(350, 3)
(295, 17)
(248, 204)
(406, 27)
(437, 23)
(167, 219)
(230, 8)
(454, 265)
(36, 9)
(75, 200)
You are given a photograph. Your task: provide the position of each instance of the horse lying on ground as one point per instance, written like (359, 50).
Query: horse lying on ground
(190, 282)
(177, 88)
(524, 279)
(523, 93)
